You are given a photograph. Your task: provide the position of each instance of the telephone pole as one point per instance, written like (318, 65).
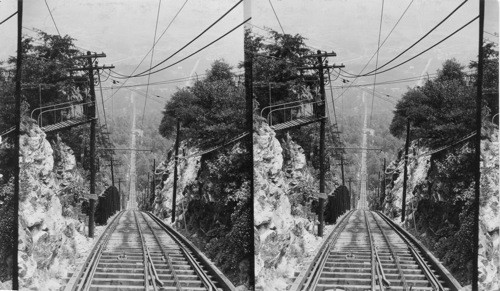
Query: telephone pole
(91, 114)
(405, 175)
(176, 159)
(321, 57)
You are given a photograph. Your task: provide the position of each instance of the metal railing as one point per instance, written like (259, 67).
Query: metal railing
(55, 113)
(295, 109)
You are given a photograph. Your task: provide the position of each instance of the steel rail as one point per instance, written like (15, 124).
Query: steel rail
(431, 277)
(145, 259)
(196, 266)
(308, 280)
(165, 255)
(92, 261)
(373, 254)
(393, 253)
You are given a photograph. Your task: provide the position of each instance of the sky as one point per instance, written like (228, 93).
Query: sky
(351, 29)
(124, 30)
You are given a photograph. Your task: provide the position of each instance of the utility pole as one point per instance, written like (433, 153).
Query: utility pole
(15, 234)
(342, 168)
(92, 116)
(146, 192)
(176, 159)
(383, 185)
(405, 177)
(322, 112)
(477, 143)
(153, 191)
(350, 193)
(112, 173)
(122, 199)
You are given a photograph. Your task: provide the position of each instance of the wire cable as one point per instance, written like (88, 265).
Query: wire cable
(179, 50)
(420, 39)
(12, 15)
(151, 63)
(387, 37)
(276, 15)
(199, 50)
(419, 54)
(51, 16)
(376, 62)
(164, 31)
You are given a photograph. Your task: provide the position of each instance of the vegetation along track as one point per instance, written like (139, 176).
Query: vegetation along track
(367, 251)
(139, 252)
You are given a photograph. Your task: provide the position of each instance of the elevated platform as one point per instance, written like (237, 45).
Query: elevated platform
(296, 123)
(66, 124)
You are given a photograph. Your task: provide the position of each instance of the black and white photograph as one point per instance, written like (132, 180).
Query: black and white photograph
(241, 145)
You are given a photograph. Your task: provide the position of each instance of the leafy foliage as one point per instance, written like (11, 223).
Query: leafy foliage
(440, 111)
(210, 111)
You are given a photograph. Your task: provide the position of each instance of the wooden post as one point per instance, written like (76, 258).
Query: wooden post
(176, 159)
(92, 145)
(405, 177)
(15, 235)
(321, 144)
(477, 144)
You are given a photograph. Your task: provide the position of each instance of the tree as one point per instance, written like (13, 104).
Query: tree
(210, 111)
(440, 111)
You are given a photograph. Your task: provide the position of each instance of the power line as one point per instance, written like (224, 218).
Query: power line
(276, 15)
(151, 63)
(398, 65)
(50, 12)
(199, 50)
(376, 52)
(164, 31)
(172, 55)
(420, 39)
(376, 62)
(12, 15)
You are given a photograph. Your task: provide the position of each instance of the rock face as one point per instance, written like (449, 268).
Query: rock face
(187, 172)
(282, 230)
(46, 237)
(425, 185)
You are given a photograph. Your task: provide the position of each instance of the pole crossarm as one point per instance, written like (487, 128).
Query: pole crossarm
(95, 55)
(323, 67)
(91, 68)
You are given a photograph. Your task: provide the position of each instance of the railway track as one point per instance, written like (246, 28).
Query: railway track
(139, 252)
(367, 251)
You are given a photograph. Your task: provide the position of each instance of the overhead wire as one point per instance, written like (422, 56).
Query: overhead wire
(151, 62)
(204, 47)
(378, 48)
(9, 17)
(418, 41)
(376, 62)
(182, 48)
(276, 15)
(419, 54)
(51, 16)
(164, 31)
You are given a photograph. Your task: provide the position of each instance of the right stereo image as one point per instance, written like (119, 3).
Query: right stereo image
(375, 144)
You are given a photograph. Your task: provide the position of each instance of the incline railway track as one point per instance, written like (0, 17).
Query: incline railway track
(367, 251)
(138, 251)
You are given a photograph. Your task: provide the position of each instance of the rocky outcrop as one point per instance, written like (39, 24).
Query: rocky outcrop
(424, 184)
(187, 171)
(489, 218)
(46, 236)
(282, 229)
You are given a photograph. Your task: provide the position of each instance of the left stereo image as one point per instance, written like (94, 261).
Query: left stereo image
(126, 147)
